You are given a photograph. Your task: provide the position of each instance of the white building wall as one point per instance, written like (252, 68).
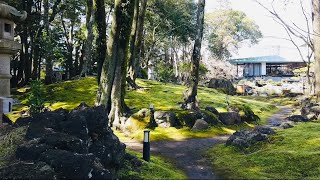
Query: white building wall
(263, 69)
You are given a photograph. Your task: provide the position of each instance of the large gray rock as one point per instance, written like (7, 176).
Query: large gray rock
(143, 113)
(200, 125)
(297, 118)
(315, 109)
(230, 118)
(212, 110)
(75, 145)
(165, 119)
(223, 84)
(245, 138)
(209, 117)
(311, 116)
(287, 125)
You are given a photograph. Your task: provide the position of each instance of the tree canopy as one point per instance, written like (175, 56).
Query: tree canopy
(227, 30)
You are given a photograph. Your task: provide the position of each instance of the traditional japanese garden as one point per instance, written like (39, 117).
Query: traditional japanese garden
(158, 89)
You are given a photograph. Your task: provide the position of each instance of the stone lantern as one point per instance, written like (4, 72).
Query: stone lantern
(8, 47)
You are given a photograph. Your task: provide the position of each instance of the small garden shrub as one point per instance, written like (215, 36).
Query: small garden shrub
(165, 73)
(36, 97)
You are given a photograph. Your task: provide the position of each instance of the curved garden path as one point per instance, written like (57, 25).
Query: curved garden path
(188, 154)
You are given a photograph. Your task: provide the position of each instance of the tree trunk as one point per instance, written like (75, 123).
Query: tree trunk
(131, 58)
(49, 63)
(111, 90)
(191, 96)
(101, 42)
(36, 58)
(89, 39)
(316, 41)
(139, 39)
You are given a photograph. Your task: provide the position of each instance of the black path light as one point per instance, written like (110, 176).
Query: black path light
(152, 123)
(146, 145)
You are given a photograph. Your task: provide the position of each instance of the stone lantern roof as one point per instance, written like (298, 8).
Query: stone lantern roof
(10, 13)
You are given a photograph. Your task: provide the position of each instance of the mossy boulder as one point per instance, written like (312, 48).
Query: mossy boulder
(246, 113)
(188, 118)
(209, 117)
(223, 85)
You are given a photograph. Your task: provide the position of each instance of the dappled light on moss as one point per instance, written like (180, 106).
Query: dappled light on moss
(165, 97)
(290, 154)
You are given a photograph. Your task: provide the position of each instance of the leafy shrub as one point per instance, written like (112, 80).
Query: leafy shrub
(186, 67)
(36, 97)
(165, 73)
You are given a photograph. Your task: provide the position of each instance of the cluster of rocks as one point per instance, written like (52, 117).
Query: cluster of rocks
(309, 110)
(67, 145)
(246, 138)
(196, 120)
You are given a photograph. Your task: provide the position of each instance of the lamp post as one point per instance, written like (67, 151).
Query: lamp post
(152, 122)
(146, 145)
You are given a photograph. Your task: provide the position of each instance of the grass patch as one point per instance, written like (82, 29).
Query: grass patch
(157, 168)
(291, 154)
(165, 97)
(10, 139)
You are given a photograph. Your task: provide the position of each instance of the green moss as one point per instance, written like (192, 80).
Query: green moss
(165, 97)
(291, 154)
(157, 168)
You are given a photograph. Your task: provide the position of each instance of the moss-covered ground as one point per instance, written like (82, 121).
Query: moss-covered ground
(165, 97)
(157, 168)
(290, 154)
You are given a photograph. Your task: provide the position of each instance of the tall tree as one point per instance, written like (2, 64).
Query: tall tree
(136, 42)
(131, 56)
(316, 42)
(139, 40)
(111, 91)
(101, 41)
(89, 37)
(227, 29)
(191, 96)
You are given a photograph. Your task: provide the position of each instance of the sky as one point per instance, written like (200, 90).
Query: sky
(270, 29)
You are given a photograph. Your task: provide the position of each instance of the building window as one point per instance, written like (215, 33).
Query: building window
(7, 28)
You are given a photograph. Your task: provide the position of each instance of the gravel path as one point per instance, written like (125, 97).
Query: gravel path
(276, 119)
(188, 154)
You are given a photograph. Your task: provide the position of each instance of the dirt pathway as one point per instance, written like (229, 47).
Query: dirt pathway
(276, 119)
(188, 154)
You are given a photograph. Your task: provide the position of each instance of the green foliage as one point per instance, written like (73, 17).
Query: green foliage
(290, 154)
(36, 97)
(185, 69)
(227, 29)
(165, 73)
(171, 18)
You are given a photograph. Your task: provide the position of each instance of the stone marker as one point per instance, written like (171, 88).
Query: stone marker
(8, 47)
